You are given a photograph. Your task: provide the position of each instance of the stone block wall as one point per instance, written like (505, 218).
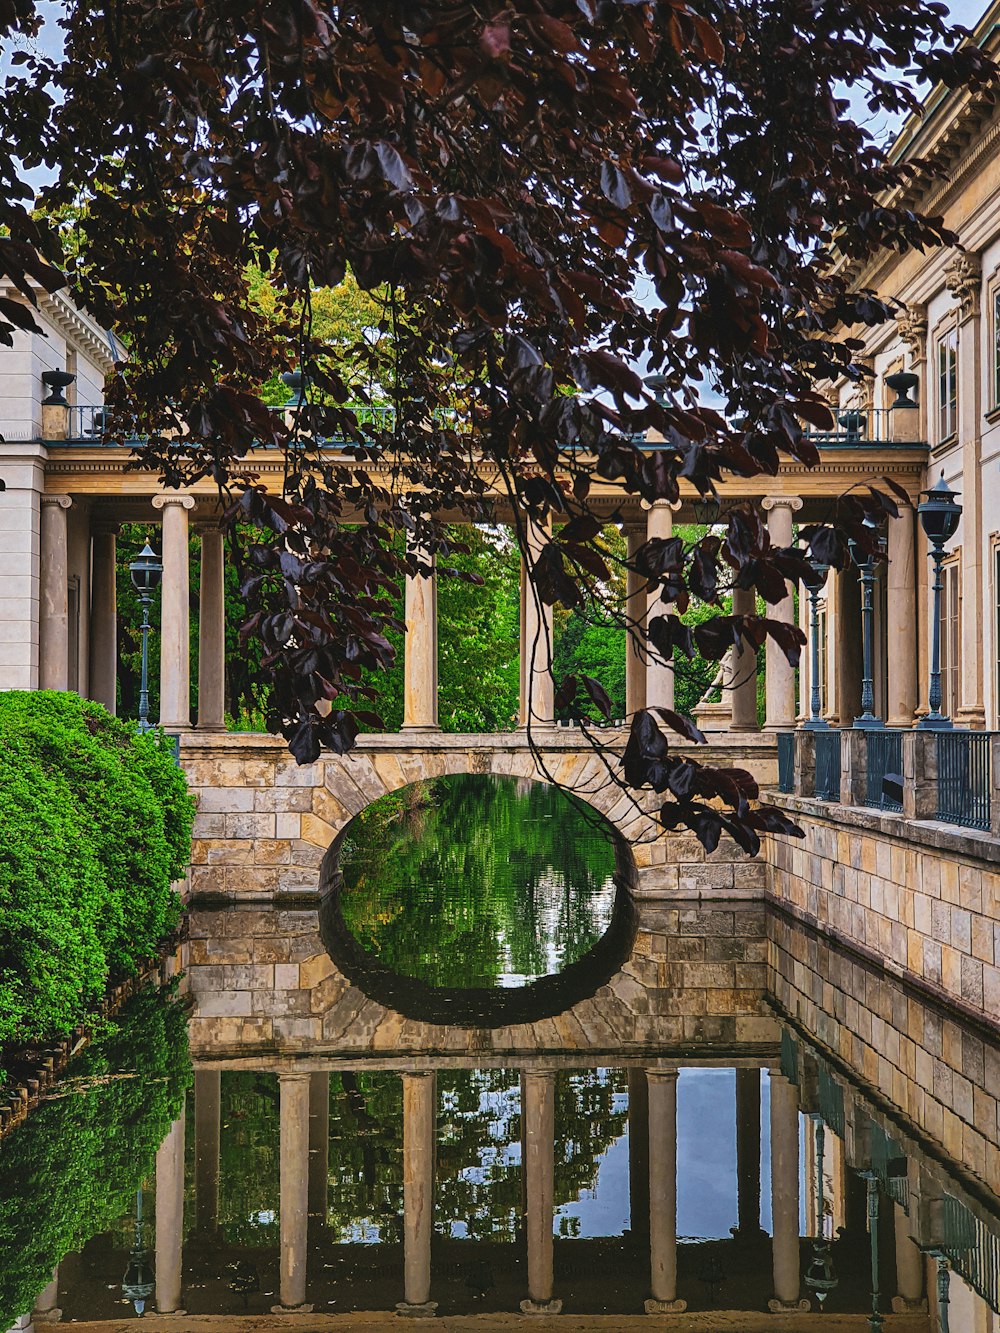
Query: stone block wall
(920, 898)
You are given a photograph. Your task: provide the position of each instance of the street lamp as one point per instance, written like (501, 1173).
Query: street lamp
(875, 1320)
(866, 567)
(138, 1283)
(939, 515)
(820, 1275)
(146, 572)
(814, 582)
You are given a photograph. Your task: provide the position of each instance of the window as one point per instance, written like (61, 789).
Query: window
(951, 637)
(947, 384)
(996, 346)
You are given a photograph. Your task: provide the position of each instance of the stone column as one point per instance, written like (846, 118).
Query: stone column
(635, 640)
(748, 1153)
(638, 1155)
(901, 629)
(212, 632)
(785, 1195)
(662, 1083)
(420, 661)
(104, 617)
(909, 1267)
(170, 1219)
(53, 628)
(46, 1309)
(538, 1109)
(743, 677)
(536, 640)
(779, 681)
(175, 613)
(659, 676)
(207, 1135)
(319, 1144)
(294, 1192)
(964, 278)
(419, 1098)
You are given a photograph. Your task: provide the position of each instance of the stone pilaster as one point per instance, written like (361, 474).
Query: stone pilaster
(538, 1108)
(212, 632)
(175, 613)
(785, 1196)
(659, 675)
(743, 678)
(53, 667)
(538, 697)
(420, 661)
(901, 627)
(909, 1296)
(294, 1192)
(104, 617)
(964, 278)
(170, 1219)
(662, 1083)
(779, 681)
(419, 1105)
(46, 1309)
(635, 639)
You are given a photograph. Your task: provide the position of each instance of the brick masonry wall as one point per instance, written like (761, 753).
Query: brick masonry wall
(922, 898)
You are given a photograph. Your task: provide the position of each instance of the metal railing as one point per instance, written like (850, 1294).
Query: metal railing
(884, 769)
(786, 761)
(974, 1250)
(964, 777)
(888, 1161)
(855, 425)
(827, 766)
(86, 424)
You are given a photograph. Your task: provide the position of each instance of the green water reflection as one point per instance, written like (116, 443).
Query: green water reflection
(477, 881)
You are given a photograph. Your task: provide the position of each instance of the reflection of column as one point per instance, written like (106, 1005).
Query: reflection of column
(536, 639)
(659, 676)
(175, 613)
(748, 1152)
(419, 1094)
(638, 1154)
(743, 692)
(319, 1143)
(212, 632)
(779, 679)
(46, 1309)
(901, 613)
(53, 628)
(170, 1218)
(785, 1194)
(662, 1084)
(207, 1126)
(538, 1107)
(635, 609)
(104, 618)
(909, 1268)
(294, 1187)
(420, 653)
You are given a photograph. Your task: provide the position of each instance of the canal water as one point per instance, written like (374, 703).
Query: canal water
(477, 1074)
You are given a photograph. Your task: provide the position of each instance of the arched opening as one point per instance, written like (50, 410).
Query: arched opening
(482, 900)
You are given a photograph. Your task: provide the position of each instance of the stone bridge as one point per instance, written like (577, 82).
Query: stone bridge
(265, 823)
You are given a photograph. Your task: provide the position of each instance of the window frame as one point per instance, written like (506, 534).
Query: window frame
(946, 341)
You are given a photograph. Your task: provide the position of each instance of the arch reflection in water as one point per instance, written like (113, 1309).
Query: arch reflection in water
(478, 900)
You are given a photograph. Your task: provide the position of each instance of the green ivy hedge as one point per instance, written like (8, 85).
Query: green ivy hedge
(71, 1170)
(96, 826)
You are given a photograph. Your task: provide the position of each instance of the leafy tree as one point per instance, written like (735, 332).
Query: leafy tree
(502, 174)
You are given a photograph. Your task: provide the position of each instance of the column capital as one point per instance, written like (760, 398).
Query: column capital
(661, 503)
(964, 279)
(173, 498)
(662, 1072)
(63, 501)
(792, 502)
(295, 1077)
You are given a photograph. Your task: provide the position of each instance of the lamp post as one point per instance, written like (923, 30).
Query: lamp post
(866, 567)
(138, 1282)
(939, 515)
(820, 1276)
(875, 1320)
(146, 572)
(814, 584)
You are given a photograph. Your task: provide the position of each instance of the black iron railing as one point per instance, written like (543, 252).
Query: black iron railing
(827, 766)
(973, 1248)
(786, 761)
(855, 425)
(884, 766)
(964, 777)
